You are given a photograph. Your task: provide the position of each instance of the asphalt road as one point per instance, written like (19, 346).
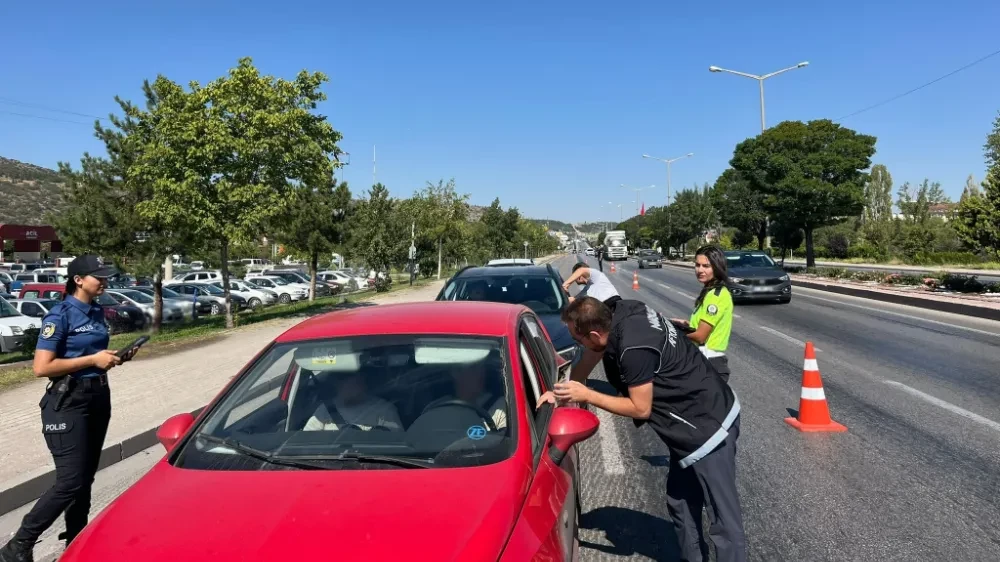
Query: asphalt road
(915, 478)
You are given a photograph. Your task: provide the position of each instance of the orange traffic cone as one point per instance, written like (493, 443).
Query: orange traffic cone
(814, 414)
(635, 280)
(612, 267)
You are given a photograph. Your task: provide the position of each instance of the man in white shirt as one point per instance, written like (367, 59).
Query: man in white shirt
(353, 407)
(595, 284)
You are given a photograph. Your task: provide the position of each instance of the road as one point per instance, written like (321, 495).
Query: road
(915, 477)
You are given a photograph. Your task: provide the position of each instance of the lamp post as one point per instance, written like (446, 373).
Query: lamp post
(637, 190)
(525, 249)
(668, 162)
(760, 81)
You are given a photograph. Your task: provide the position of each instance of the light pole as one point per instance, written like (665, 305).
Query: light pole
(637, 190)
(525, 249)
(760, 82)
(620, 218)
(668, 162)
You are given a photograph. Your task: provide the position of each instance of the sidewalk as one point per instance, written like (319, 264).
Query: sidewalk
(147, 392)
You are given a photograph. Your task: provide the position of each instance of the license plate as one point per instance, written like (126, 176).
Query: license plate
(760, 289)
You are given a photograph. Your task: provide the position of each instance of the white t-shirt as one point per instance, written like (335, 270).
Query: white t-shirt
(366, 415)
(599, 287)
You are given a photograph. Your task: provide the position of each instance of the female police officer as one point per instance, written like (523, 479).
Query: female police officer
(712, 319)
(76, 408)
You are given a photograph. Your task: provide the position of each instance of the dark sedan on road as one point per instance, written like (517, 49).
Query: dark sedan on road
(649, 258)
(753, 276)
(538, 287)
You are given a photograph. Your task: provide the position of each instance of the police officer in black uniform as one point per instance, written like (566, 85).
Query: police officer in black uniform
(663, 379)
(76, 408)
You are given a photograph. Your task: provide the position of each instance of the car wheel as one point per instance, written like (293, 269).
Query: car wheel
(254, 303)
(285, 298)
(216, 309)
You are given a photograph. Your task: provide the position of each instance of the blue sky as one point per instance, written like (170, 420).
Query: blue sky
(548, 105)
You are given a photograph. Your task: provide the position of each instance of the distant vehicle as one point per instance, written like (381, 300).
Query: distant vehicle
(538, 287)
(303, 279)
(185, 302)
(425, 473)
(509, 261)
(197, 266)
(287, 292)
(753, 276)
(616, 244)
(213, 293)
(339, 277)
(36, 291)
(119, 317)
(255, 296)
(13, 326)
(649, 258)
(145, 303)
(32, 277)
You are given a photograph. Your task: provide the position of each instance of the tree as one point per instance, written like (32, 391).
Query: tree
(440, 214)
(971, 188)
(917, 234)
(977, 218)
(314, 222)
(786, 234)
(376, 233)
(877, 221)
(812, 173)
(689, 216)
(740, 206)
(223, 158)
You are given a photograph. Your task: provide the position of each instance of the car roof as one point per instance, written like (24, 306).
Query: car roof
(471, 318)
(494, 271)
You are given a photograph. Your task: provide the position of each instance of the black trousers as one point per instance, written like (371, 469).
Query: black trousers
(75, 436)
(600, 264)
(709, 483)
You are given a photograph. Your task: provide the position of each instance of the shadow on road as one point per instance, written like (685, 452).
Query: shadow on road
(632, 533)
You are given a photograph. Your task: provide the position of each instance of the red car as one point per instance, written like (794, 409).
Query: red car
(396, 432)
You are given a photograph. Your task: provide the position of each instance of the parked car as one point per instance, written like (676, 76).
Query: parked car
(502, 490)
(539, 287)
(14, 327)
(35, 291)
(119, 317)
(6, 281)
(145, 303)
(197, 265)
(187, 304)
(303, 279)
(198, 276)
(32, 277)
(287, 292)
(649, 258)
(340, 278)
(255, 296)
(753, 276)
(215, 294)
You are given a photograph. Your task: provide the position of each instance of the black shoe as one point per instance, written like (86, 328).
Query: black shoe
(17, 551)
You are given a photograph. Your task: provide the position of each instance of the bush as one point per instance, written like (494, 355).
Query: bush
(30, 340)
(943, 258)
(962, 283)
(832, 272)
(876, 276)
(865, 251)
(837, 245)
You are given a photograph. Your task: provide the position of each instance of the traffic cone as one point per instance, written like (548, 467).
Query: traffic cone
(612, 267)
(814, 414)
(635, 280)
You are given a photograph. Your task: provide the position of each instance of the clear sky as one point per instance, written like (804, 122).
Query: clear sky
(548, 105)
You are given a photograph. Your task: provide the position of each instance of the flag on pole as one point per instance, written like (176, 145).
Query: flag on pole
(643, 210)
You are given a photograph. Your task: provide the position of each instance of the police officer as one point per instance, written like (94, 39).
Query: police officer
(76, 408)
(663, 379)
(712, 319)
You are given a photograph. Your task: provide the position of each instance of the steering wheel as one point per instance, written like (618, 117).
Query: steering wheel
(490, 424)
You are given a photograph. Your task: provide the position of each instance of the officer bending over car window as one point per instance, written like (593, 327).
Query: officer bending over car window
(663, 379)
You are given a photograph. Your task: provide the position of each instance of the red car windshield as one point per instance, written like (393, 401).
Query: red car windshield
(359, 403)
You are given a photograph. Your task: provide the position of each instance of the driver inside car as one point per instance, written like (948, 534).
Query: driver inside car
(353, 407)
(470, 386)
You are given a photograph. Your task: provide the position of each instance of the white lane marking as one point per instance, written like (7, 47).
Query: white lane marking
(946, 405)
(881, 311)
(611, 453)
(786, 337)
(678, 291)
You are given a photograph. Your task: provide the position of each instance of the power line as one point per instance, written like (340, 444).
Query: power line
(934, 81)
(42, 117)
(10, 101)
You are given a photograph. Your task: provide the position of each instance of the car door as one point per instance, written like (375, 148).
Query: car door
(551, 506)
(32, 309)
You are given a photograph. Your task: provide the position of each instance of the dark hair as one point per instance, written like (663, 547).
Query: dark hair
(717, 259)
(70, 287)
(588, 315)
(578, 265)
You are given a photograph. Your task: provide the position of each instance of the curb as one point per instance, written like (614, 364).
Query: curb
(928, 304)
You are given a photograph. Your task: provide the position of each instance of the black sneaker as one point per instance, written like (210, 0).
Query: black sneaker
(17, 551)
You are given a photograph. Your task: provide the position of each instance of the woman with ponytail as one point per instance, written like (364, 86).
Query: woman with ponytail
(712, 319)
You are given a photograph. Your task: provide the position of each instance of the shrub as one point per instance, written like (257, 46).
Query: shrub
(30, 340)
(942, 258)
(876, 276)
(962, 283)
(832, 272)
(865, 251)
(837, 245)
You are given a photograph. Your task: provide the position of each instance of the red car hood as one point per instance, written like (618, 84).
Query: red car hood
(171, 514)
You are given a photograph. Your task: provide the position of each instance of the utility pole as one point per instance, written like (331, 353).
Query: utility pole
(374, 181)
(413, 251)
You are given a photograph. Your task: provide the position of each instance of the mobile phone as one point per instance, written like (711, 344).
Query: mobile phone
(134, 345)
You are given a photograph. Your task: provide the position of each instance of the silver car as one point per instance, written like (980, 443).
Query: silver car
(145, 303)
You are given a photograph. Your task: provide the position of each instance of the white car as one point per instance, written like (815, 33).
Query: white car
(508, 261)
(13, 325)
(341, 278)
(197, 277)
(255, 296)
(197, 266)
(287, 292)
(589, 251)
(146, 304)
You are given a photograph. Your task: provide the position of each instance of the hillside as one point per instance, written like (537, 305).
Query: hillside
(29, 193)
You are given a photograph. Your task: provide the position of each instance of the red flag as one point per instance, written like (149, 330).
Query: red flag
(643, 211)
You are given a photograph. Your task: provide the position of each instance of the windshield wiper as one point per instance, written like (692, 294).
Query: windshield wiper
(264, 456)
(405, 462)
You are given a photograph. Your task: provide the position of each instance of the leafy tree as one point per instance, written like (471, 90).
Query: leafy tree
(811, 173)
(223, 158)
(440, 212)
(740, 206)
(786, 235)
(377, 234)
(314, 222)
(977, 218)
(600, 237)
(971, 188)
(877, 221)
(917, 235)
(687, 218)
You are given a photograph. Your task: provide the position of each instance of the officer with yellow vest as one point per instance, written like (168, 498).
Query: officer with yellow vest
(712, 319)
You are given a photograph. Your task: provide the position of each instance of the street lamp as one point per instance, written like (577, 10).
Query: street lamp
(668, 162)
(525, 249)
(637, 190)
(760, 81)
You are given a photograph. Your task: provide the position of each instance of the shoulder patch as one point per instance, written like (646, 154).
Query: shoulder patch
(712, 310)
(48, 330)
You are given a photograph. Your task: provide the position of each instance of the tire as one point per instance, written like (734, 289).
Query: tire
(216, 309)
(254, 303)
(285, 298)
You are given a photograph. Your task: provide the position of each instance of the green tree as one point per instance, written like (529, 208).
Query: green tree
(314, 223)
(811, 173)
(223, 158)
(877, 221)
(376, 234)
(440, 212)
(786, 235)
(687, 218)
(917, 234)
(977, 217)
(740, 206)
(971, 188)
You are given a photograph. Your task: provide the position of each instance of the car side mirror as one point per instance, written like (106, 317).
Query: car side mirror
(567, 427)
(173, 430)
